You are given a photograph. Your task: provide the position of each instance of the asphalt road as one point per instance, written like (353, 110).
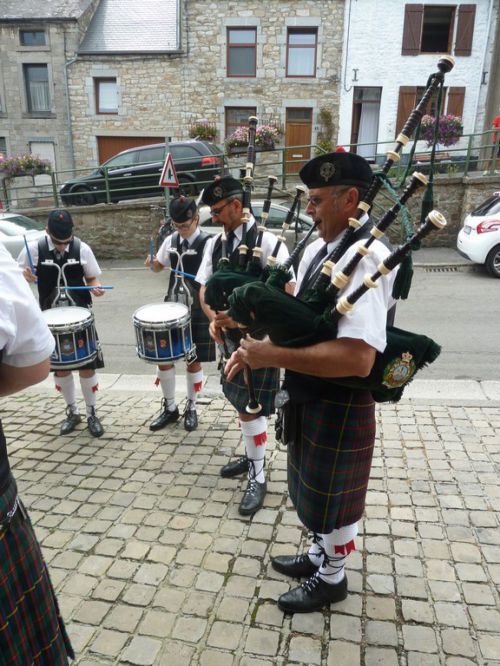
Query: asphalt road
(460, 309)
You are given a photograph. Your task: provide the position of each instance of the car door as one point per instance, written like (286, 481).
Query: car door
(119, 173)
(147, 171)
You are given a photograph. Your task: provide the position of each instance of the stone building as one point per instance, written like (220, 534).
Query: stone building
(146, 71)
(38, 41)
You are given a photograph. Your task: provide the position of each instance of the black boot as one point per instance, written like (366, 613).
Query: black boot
(190, 416)
(95, 427)
(297, 566)
(235, 468)
(312, 595)
(70, 422)
(253, 498)
(164, 418)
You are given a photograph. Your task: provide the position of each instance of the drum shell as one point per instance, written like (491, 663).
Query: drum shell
(76, 340)
(168, 337)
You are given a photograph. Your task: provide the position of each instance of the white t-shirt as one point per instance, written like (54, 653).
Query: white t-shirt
(89, 262)
(268, 244)
(24, 336)
(367, 321)
(163, 255)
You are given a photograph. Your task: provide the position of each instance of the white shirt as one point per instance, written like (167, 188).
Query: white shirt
(163, 255)
(89, 262)
(24, 336)
(268, 244)
(367, 321)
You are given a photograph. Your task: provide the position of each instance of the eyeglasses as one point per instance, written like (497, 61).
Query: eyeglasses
(60, 242)
(215, 212)
(184, 225)
(314, 201)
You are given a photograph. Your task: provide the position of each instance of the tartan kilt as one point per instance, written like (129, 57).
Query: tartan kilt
(266, 382)
(206, 349)
(330, 449)
(32, 632)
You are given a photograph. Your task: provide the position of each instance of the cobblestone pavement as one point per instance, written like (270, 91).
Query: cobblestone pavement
(154, 566)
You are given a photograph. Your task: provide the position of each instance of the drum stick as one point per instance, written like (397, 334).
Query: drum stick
(151, 252)
(97, 286)
(30, 258)
(174, 270)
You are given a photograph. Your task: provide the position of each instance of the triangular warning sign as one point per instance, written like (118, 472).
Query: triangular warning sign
(168, 176)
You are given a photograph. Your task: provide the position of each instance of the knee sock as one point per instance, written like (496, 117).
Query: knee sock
(89, 387)
(337, 546)
(194, 382)
(166, 379)
(316, 551)
(254, 437)
(66, 385)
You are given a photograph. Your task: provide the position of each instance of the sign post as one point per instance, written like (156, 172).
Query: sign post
(168, 176)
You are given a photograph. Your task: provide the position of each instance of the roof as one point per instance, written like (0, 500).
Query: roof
(132, 26)
(37, 9)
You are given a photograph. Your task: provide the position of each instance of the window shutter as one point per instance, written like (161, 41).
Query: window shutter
(406, 103)
(412, 31)
(456, 98)
(465, 30)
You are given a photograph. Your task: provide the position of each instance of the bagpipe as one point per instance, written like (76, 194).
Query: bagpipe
(292, 322)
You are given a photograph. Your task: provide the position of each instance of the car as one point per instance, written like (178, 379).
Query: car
(135, 173)
(14, 228)
(479, 238)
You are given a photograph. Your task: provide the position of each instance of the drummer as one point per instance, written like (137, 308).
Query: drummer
(60, 246)
(187, 242)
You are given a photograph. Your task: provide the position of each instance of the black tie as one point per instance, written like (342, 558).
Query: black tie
(231, 237)
(312, 270)
(184, 245)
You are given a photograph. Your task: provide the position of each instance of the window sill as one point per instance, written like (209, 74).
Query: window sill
(39, 114)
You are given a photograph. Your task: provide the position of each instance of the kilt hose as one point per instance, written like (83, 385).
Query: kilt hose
(32, 632)
(330, 449)
(206, 349)
(266, 382)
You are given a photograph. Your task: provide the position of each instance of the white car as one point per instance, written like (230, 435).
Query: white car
(479, 238)
(14, 228)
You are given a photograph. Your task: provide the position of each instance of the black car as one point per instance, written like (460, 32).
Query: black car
(135, 173)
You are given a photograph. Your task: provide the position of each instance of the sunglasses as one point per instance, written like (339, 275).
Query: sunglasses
(215, 212)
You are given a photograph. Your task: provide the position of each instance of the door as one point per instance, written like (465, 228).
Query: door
(298, 136)
(365, 119)
(108, 146)
(45, 150)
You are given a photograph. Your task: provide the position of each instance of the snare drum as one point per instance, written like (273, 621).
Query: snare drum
(74, 332)
(163, 333)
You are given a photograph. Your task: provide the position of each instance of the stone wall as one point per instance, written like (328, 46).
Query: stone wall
(123, 231)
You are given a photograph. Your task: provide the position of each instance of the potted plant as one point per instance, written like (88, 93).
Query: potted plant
(23, 165)
(450, 129)
(203, 129)
(266, 137)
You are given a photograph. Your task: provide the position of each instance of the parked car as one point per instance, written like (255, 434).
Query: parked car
(135, 173)
(13, 229)
(479, 238)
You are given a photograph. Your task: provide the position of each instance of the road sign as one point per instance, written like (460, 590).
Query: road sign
(168, 176)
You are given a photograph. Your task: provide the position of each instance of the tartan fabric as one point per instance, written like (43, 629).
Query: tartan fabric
(266, 382)
(329, 458)
(32, 632)
(205, 346)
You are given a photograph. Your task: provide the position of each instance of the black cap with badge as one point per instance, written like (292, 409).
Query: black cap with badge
(182, 209)
(60, 224)
(220, 189)
(339, 168)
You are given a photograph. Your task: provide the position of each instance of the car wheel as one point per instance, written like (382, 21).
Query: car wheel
(187, 188)
(81, 196)
(492, 262)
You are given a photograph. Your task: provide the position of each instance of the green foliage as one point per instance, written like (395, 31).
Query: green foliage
(23, 165)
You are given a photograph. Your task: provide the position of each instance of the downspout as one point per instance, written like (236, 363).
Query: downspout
(68, 104)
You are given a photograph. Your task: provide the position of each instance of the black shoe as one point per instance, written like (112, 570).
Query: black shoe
(312, 595)
(165, 417)
(190, 420)
(235, 468)
(253, 498)
(297, 566)
(70, 422)
(95, 427)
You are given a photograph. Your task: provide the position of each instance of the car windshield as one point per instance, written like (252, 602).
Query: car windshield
(489, 207)
(19, 224)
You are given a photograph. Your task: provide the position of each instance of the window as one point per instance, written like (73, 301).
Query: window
(453, 102)
(151, 155)
(238, 115)
(241, 51)
(32, 37)
(430, 29)
(301, 52)
(3, 145)
(36, 81)
(106, 95)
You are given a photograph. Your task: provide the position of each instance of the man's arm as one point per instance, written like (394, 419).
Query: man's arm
(14, 378)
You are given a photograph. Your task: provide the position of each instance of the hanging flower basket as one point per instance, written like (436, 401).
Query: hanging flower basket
(23, 165)
(450, 129)
(266, 136)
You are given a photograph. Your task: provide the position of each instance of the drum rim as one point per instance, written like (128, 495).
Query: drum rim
(89, 316)
(164, 324)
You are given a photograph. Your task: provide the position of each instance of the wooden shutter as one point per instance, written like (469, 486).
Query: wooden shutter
(456, 96)
(406, 103)
(412, 31)
(465, 30)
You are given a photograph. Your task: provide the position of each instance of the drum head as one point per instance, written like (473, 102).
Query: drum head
(157, 313)
(64, 316)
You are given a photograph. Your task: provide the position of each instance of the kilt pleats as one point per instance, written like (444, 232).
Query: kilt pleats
(206, 349)
(329, 459)
(32, 632)
(266, 382)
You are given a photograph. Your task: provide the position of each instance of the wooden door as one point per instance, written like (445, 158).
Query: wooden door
(108, 146)
(298, 135)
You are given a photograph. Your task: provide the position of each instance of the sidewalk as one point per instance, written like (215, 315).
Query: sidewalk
(154, 566)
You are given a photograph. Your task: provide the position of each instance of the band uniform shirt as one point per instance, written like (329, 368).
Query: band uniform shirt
(89, 263)
(268, 244)
(367, 321)
(163, 254)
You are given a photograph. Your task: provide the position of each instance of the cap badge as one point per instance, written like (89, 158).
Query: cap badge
(218, 192)
(327, 171)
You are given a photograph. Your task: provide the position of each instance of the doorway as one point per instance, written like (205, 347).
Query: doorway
(298, 135)
(365, 120)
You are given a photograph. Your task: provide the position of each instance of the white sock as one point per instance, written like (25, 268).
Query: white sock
(166, 379)
(337, 546)
(66, 385)
(194, 382)
(254, 437)
(316, 551)
(89, 387)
